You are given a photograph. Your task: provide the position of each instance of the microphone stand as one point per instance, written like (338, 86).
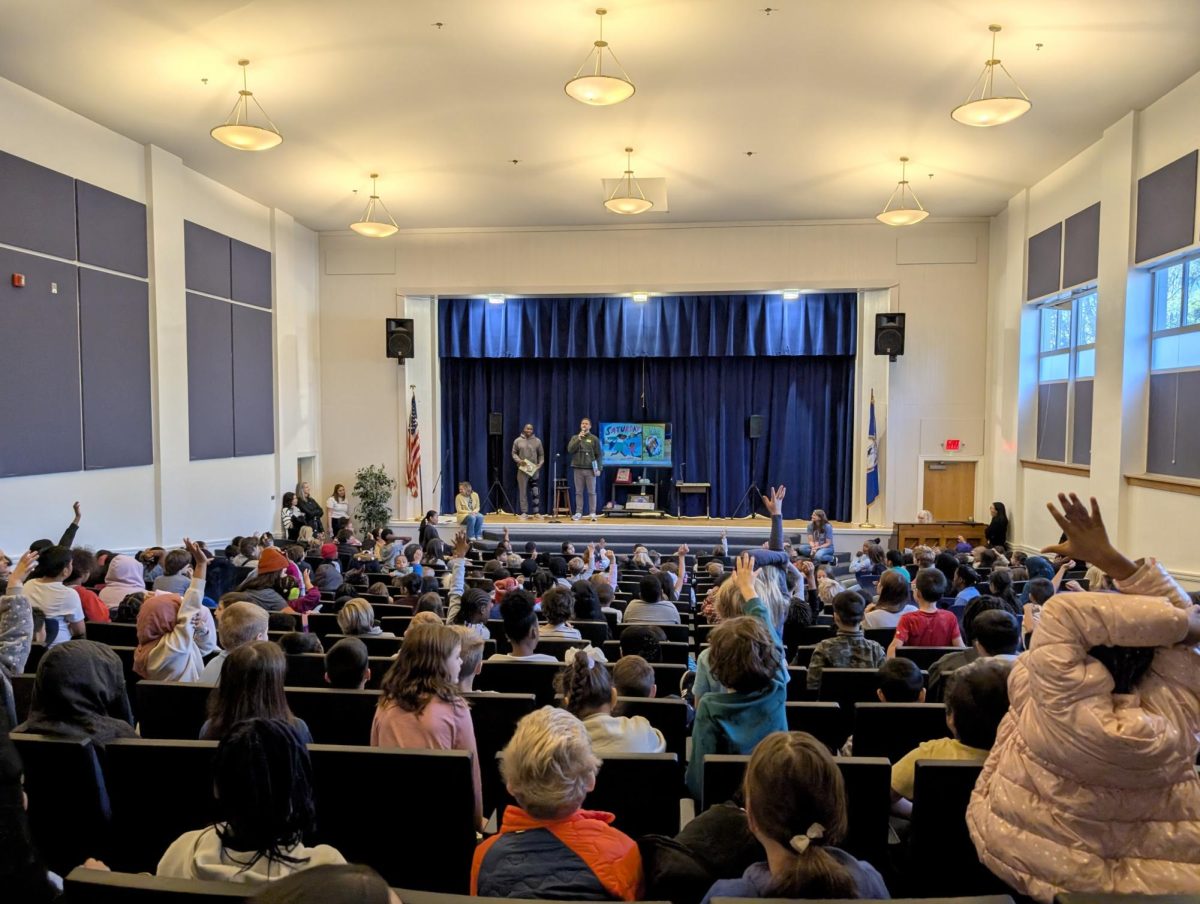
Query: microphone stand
(554, 519)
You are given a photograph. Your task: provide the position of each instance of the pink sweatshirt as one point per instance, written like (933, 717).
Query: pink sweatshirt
(440, 726)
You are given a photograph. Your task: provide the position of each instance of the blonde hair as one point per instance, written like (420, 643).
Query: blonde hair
(548, 765)
(424, 618)
(714, 569)
(471, 651)
(305, 535)
(240, 623)
(356, 617)
(728, 602)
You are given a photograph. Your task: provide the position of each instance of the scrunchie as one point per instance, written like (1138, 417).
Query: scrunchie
(591, 653)
(800, 843)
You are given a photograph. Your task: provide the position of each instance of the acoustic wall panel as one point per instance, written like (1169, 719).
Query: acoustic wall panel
(1081, 430)
(112, 230)
(250, 274)
(1081, 247)
(37, 208)
(1052, 422)
(205, 260)
(1166, 208)
(210, 377)
(39, 367)
(253, 389)
(114, 317)
(1173, 427)
(1044, 260)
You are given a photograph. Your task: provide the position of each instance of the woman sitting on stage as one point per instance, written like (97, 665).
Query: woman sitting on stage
(466, 504)
(820, 538)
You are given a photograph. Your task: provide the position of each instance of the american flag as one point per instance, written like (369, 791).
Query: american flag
(414, 450)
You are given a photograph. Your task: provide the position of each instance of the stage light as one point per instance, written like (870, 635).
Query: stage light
(495, 299)
(640, 297)
(791, 294)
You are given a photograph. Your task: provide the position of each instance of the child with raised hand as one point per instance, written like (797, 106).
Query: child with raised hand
(547, 846)
(796, 808)
(421, 706)
(174, 634)
(746, 656)
(1091, 786)
(589, 695)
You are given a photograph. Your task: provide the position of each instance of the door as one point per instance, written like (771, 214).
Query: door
(950, 490)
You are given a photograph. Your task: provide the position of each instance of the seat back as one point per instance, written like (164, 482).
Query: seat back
(924, 657)
(308, 670)
(396, 624)
(868, 797)
(114, 634)
(91, 886)
(654, 808)
(668, 714)
(171, 709)
(797, 688)
(672, 651)
(69, 812)
(891, 730)
(849, 687)
(22, 687)
(881, 636)
(494, 718)
(535, 678)
(594, 632)
(941, 852)
(558, 648)
(675, 633)
(334, 715)
(384, 647)
(823, 720)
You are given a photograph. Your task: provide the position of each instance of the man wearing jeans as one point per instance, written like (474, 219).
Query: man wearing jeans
(584, 449)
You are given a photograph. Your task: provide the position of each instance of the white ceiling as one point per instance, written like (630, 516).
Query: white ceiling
(827, 93)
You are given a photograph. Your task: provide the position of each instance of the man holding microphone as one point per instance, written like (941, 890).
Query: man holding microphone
(584, 449)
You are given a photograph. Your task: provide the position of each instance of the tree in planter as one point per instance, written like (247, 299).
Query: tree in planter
(374, 488)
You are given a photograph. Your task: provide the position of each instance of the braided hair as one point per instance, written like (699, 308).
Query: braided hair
(585, 685)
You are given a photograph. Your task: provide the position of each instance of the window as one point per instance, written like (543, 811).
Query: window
(1173, 427)
(1066, 368)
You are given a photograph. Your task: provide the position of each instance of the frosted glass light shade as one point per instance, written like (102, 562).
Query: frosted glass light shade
(991, 111)
(599, 90)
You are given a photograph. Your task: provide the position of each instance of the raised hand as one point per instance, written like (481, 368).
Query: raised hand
(773, 501)
(1087, 538)
(21, 570)
(743, 576)
(199, 559)
(461, 544)
(78, 513)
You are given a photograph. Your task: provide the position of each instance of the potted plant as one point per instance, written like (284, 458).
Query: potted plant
(373, 488)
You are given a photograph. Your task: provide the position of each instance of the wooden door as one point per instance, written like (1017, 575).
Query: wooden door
(950, 490)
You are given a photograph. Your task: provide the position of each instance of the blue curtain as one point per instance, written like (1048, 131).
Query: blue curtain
(681, 326)
(807, 404)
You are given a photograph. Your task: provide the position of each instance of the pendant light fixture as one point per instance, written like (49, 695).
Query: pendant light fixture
(597, 89)
(904, 213)
(983, 107)
(237, 131)
(627, 196)
(368, 225)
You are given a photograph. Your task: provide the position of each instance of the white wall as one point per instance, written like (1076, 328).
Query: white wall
(1145, 521)
(941, 285)
(131, 507)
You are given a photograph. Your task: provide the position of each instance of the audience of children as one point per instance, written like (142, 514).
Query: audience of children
(238, 623)
(929, 626)
(521, 629)
(558, 606)
(58, 603)
(470, 654)
(650, 607)
(589, 695)
(991, 630)
(895, 600)
(79, 692)
(356, 618)
(547, 846)
(347, 664)
(849, 648)
(175, 635)
(252, 680)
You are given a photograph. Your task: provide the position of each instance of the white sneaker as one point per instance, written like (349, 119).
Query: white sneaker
(523, 516)
(576, 516)
(593, 516)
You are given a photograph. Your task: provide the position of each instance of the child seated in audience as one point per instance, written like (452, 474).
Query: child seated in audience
(295, 643)
(471, 656)
(547, 846)
(1038, 591)
(633, 676)
(976, 701)
(262, 782)
(176, 574)
(893, 602)
(991, 630)
(746, 656)
(238, 623)
(79, 692)
(430, 601)
(558, 605)
(795, 800)
(424, 618)
(900, 681)
(849, 648)
(472, 612)
(589, 695)
(251, 687)
(83, 566)
(963, 588)
(357, 618)
(347, 665)
(650, 608)
(929, 626)
(16, 618)
(46, 591)
(644, 641)
(521, 629)
(174, 635)
(421, 706)
(1091, 787)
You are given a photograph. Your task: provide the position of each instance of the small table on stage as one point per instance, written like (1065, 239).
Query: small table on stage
(681, 488)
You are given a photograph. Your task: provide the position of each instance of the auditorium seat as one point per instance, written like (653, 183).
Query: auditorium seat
(822, 720)
(535, 678)
(335, 715)
(671, 651)
(893, 729)
(675, 633)
(801, 655)
(641, 789)
(114, 634)
(386, 647)
(924, 657)
(797, 689)
(881, 636)
(942, 858)
(668, 714)
(308, 670)
(22, 686)
(594, 632)
(809, 635)
(868, 798)
(322, 623)
(63, 779)
(171, 709)
(558, 648)
(848, 687)
(422, 834)
(36, 652)
(494, 718)
(396, 624)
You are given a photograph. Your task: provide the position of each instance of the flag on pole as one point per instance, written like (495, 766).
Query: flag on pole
(413, 446)
(872, 457)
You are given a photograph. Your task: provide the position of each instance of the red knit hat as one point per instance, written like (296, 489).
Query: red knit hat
(271, 559)
(329, 551)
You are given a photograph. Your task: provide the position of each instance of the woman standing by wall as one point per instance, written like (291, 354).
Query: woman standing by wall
(338, 509)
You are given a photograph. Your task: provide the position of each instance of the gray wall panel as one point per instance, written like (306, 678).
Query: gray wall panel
(253, 390)
(114, 313)
(206, 260)
(1081, 431)
(1166, 208)
(210, 377)
(112, 230)
(1081, 247)
(1052, 422)
(250, 277)
(37, 207)
(1173, 435)
(39, 368)
(1044, 259)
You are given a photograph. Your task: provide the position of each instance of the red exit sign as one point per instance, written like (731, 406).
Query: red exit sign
(952, 445)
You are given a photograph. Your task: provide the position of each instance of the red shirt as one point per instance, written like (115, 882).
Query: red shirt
(93, 609)
(938, 628)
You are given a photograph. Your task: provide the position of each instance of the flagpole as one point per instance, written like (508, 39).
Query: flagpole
(871, 439)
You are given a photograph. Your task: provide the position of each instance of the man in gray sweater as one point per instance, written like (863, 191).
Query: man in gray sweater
(584, 449)
(528, 454)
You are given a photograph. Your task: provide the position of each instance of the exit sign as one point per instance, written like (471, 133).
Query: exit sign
(952, 445)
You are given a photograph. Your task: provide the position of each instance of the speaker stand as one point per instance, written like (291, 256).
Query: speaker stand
(495, 494)
(747, 498)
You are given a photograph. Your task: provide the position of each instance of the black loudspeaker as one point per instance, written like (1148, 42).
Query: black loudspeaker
(495, 424)
(889, 335)
(754, 426)
(399, 338)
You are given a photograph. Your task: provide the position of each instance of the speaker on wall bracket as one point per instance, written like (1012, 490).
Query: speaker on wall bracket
(889, 335)
(400, 339)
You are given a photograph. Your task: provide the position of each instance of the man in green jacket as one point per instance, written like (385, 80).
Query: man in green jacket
(584, 449)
